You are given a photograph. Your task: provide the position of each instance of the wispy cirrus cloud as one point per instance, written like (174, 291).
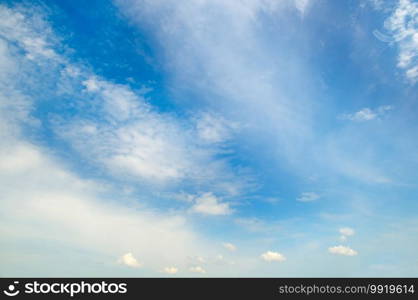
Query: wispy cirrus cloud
(308, 197)
(367, 114)
(402, 29)
(214, 129)
(403, 25)
(222, 72)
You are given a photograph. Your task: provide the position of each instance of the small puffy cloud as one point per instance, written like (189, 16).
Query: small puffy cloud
(129, 260)
(229, 246)
(366, 114)
(209, 204)
(197, 269)
(342, 250)
(170, 270)
(273, 256)
(347, 231)
(308, 197)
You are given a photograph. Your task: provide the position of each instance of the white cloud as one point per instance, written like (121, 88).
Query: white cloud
(116, 130)
(229, 246)
(412, 73)
(137, 142)
(53, 196)
(35, 213)
(227, 76)
(119, 102)
(213, 129)
(302, 6)
(403, 26)
(91, 84)
(209, 204)
(273, 256)
(170, 270)
(45, 209)
(367, 114)
(129, 260)
(342, 250)
(347, 231)
(249, 78)
(308, 197)
(197, 269)
(28, 33)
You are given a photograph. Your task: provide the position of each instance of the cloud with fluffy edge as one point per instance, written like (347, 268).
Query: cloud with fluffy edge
(342, 250)
(129, 260)
(230, 247)
(271, 256)
(209, 204)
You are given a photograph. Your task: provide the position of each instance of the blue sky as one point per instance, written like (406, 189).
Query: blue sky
(209, 138)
